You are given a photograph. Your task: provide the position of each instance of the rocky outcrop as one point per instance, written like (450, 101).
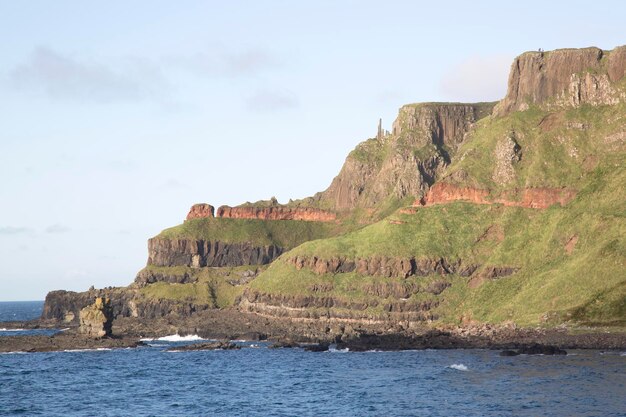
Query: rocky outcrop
(276, 213)
(537, 198)
(65, 306)
(202, 253)
(406, 161)
(201, 211)
(383, 266)
(96, 320)
(564, 76)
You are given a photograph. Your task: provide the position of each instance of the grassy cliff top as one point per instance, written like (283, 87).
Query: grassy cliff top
(283, 233)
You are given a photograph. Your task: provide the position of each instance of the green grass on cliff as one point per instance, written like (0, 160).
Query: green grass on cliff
(282, 233)
(558, 148)
(217, 287)
(585, 283)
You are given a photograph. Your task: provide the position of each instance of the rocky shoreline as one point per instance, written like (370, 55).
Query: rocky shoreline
(231, 324)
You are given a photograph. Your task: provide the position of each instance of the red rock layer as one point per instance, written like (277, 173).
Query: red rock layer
(539, 198)
(198, 211)
(276, 213)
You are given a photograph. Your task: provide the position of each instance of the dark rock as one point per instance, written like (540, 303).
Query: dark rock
(320, 347)
(220, 345)
(538, 349)
(509, 353)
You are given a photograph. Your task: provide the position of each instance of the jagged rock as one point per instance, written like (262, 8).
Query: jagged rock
(377, 169)
(96, 320)
(507, 152)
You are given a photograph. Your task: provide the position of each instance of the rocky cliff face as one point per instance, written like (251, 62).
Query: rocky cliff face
(537, 198)
(200, 211)
(276, 213)
(405, 162)
(203, 253)
(96, 320)
(565, 76)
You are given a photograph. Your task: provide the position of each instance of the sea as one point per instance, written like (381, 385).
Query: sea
(258, 381)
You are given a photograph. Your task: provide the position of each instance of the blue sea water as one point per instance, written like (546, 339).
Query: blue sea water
(257, 381)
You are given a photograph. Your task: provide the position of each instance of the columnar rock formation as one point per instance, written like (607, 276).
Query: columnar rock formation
(205, 253)
(566, 76)
(96, 320)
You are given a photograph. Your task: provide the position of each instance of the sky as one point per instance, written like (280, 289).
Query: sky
(117, 116)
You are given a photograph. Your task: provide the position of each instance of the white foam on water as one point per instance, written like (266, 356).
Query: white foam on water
(12, 330)
(13, 353)
(335, 350)
(176, 338)
(458, 367)
(86, 350)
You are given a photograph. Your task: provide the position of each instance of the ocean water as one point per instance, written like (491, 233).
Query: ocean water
(20, 310)
(257, 381)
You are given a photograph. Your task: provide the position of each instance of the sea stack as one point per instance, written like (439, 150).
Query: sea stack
(96, 320)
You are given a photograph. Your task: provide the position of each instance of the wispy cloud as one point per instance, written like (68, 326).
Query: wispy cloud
(57, 228)
(60, 76)
(478, 78)
(269, 101)
(10, 230)
(217, 63)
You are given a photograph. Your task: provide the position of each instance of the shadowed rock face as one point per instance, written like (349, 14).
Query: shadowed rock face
(201, 253)
(571, 76)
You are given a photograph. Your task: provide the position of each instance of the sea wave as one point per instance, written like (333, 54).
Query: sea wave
(86, 350)
(175, 338)
(459, 367)
(12, 330)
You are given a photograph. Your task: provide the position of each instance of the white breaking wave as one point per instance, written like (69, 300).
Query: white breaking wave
(459, 367)
(175, 338)
(86, 350)
(12, 330)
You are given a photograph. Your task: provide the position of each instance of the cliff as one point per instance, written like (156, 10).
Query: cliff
(462, 213)
(406, 161)
(204, 253)
(565, 76)
(310, 214)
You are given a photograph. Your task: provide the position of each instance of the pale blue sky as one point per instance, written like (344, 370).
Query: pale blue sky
(117, 116)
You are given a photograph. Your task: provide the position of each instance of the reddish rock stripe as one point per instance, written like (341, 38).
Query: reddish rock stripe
(276, 213)
(538, 198)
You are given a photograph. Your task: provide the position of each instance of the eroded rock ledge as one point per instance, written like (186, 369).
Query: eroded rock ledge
(537, 198)
(382, 266)
(202, 253)
(310, 214)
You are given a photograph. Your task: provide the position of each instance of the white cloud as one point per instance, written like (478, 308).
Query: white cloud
(478, 78)
(55, 75)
